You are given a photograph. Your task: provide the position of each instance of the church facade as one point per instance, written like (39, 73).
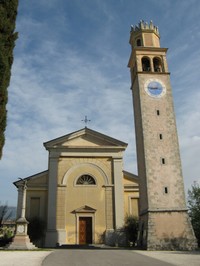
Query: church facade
(84, 195)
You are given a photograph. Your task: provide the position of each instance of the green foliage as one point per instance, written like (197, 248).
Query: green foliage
(194, 209)
(6, 235)
(131, 228)
(36, 229)
(6, 232)
(8, 13)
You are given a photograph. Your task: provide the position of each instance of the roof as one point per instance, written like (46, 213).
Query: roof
(85, 137)
(32, 177)
(131, 177)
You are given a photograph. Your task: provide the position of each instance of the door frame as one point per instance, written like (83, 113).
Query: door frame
(78, 215)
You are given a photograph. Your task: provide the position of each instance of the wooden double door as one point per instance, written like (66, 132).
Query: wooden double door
(85, 230)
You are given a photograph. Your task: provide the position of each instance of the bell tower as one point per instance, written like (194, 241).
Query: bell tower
(164, 221)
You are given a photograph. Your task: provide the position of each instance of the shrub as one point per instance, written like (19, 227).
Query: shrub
(131, 228)
(36, 228)
(194, 209)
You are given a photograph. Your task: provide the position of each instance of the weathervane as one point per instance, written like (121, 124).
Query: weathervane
(85, 120)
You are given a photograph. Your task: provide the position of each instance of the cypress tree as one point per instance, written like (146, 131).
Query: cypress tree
(8, 13)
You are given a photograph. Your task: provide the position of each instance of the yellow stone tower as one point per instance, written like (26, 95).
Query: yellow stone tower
(164, 221)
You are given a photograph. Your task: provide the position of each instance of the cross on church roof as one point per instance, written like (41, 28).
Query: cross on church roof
(85, 120)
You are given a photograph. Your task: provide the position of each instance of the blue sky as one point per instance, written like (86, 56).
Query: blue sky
(71, 60)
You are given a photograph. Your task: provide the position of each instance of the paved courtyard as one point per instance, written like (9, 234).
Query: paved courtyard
(98, 257)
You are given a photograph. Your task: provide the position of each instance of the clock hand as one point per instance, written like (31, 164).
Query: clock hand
(153, 88)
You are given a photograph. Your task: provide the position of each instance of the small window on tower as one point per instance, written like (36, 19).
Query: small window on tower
(163, 160)
(139, 42)
(161, 136)
(158, 112)
(166, 190)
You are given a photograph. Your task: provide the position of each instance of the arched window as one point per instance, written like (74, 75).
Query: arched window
(157, 64)
(86, 180)
(139, 42)
(146, 64)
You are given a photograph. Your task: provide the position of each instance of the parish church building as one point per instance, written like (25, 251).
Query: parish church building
(85, 193)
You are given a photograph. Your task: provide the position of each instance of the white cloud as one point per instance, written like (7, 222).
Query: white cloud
(70, 65)
(51, 102)
(189, 131)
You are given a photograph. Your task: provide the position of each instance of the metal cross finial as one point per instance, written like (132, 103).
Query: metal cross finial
(85, 120)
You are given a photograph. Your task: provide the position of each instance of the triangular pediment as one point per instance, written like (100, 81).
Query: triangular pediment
(85, 209)
(84, 138)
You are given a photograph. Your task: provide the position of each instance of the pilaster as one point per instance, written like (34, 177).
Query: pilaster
(109, 207)
(118, 191)
(51, 234)
(61, 214)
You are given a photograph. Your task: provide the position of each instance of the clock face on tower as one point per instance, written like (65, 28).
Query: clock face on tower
(155, 88)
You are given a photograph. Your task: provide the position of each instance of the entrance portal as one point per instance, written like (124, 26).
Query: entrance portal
(85, 230)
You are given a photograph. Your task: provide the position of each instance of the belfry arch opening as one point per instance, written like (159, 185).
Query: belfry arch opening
(157, 65)
(146, 66)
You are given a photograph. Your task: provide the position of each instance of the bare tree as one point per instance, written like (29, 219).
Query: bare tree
(5, 214)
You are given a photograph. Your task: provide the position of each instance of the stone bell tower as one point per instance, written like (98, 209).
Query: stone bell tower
(164, 221)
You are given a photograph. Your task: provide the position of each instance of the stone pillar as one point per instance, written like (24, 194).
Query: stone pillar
(19, 201)
(21, 221)
(151, 64)
(22, 194)
(21, 239)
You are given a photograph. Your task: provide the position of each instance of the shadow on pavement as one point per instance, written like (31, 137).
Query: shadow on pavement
(104, 247)
(100, 247)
